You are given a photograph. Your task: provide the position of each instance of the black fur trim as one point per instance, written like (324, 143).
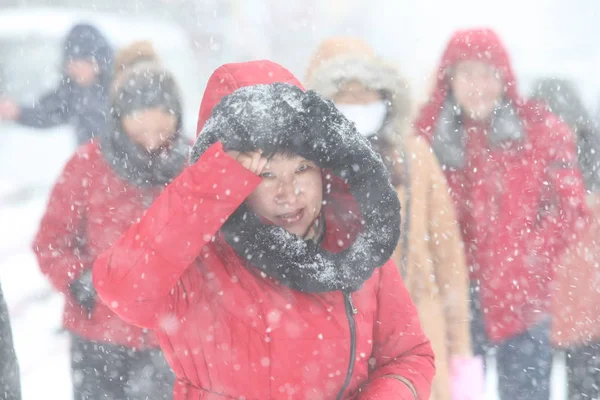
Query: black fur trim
(282, 118)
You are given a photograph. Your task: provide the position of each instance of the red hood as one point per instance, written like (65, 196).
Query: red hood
(230, 77)
(473, 44)
(342, 212)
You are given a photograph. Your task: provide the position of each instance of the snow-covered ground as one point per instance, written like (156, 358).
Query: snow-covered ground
(30, 162)
(35, 309)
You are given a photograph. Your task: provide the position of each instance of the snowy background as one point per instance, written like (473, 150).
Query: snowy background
(549, 37)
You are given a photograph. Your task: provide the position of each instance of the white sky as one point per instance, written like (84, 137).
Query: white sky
(551, 37)
(544, 37)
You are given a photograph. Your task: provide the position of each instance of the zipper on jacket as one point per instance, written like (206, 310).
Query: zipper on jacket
(350, 312)
(351, 304)
(405, 234)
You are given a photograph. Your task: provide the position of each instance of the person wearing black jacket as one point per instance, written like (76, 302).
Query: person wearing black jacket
(81, 97)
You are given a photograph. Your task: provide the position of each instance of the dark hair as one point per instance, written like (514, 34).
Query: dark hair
(278, 151)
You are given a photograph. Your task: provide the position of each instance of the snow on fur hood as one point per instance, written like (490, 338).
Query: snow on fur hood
(282, 117)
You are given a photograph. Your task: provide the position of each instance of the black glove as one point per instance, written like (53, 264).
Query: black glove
(82, 289)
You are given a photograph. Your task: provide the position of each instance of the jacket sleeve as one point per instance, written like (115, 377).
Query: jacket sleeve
(51, 110)
(566, 201)
(404, 365)
(445, 243)
(144, 277)
(94, 122)
(563, 205)
(60, 242)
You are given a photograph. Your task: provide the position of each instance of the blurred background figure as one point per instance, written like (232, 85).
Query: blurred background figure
(563, 99)
(576, 302)
(32, 41)
(81, 96)
(430, 254)
(104, 188)
(10, 383)
(519, 194)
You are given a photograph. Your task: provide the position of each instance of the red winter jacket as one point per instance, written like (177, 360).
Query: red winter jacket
(518, 202)
(230, 332)
(89, 209)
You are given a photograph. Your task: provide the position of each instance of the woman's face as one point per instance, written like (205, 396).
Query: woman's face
(151, 128)
(290, 194)
(83, 72)
(477, 87)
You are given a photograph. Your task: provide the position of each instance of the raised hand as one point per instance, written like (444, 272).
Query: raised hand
(9, 110)
(253, 161)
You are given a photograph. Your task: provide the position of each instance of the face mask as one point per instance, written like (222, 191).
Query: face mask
(368, 118)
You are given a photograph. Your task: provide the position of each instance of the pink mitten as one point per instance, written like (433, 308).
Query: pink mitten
(467, 378)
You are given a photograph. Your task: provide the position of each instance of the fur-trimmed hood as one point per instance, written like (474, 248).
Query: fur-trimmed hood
(331, 70)
(281, 116)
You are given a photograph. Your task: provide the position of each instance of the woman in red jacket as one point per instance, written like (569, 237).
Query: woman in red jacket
(104, 188)
(263, 268)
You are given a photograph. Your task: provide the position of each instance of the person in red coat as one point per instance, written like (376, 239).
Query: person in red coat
(264, 267)
(512, 170)
(104, 188)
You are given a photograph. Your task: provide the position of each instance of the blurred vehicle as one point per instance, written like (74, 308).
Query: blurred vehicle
(31, 41)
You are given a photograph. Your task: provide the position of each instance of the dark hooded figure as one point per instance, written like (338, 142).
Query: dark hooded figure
(562, 99)
(10, 386)
(81, 95)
